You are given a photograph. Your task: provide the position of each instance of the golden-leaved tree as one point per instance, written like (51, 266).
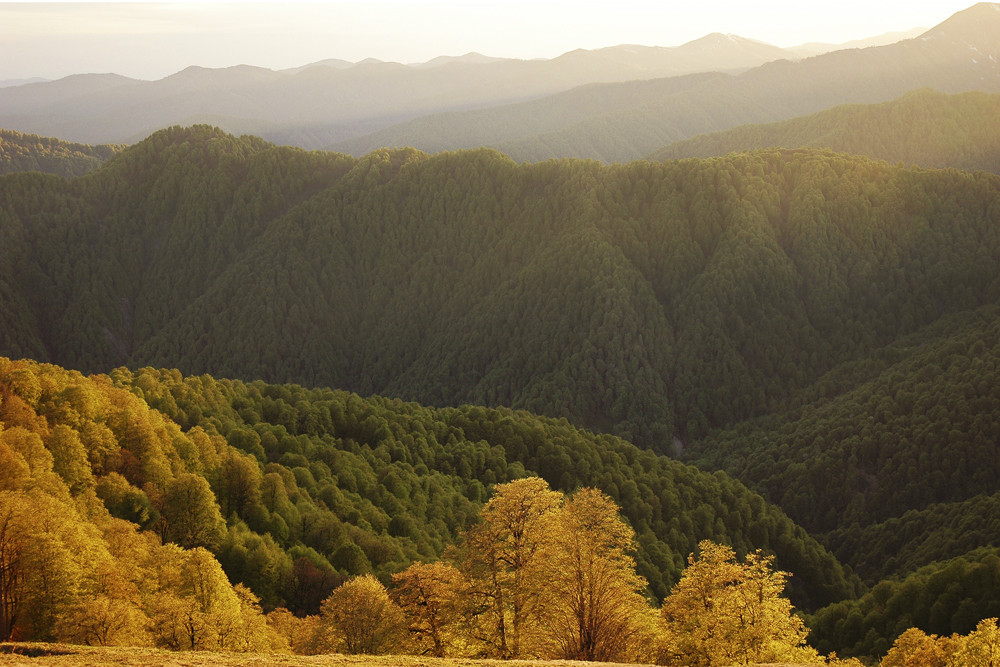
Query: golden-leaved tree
(553, 577)
(430, 596)
(593, 607)
(359, 617)
(722, 612)
(502, 562)
(71, 448)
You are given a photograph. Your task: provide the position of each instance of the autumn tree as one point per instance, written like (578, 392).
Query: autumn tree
(915, 648)
(594, 608)
(722, 612)
(430, 596)
(190, 514)
(502, 563)
(359, 617)
(981, 648)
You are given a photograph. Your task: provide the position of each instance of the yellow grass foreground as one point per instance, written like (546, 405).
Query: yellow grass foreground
(70, 655)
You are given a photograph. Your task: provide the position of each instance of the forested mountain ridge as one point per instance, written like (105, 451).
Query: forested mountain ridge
(623, 122)
(27, 152)
(649, 300)
(784, 315)
(923, 127)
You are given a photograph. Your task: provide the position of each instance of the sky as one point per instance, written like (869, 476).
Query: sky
(153, 40)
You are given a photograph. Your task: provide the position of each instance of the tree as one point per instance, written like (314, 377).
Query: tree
(981, 648)
(915, 648)
(191, 517)
(502, 559)
(359, 617)
(594, 608)
(429, 595)
(722, 612)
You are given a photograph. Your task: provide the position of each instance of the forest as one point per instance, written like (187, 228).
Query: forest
(118, 526)
(940, 130)
(29, 152)
(790, 350)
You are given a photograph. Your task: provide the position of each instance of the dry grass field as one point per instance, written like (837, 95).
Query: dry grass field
(67, 655)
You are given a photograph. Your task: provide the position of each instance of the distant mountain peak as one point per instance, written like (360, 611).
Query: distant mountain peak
(977, 26)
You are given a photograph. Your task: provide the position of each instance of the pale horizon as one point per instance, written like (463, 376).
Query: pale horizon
(153, 40)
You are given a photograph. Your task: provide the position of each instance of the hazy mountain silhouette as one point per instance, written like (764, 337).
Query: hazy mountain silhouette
(334, 100)
(618, 122)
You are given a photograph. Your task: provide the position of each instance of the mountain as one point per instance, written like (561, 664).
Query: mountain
(673, 304)
(27, 152)
(817, 48)
(620, 122)
(333, 100)
(924, 127)
(6, 83)
(816, 332)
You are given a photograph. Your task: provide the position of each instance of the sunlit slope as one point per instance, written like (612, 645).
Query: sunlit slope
(26, 152)
(924, 127)
(294, 490)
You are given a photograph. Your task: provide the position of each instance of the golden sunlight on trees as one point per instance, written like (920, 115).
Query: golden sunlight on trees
(430, 596)
(722, 612)
(593, 606)
(359, 617)
(503, 562)
(981, 648)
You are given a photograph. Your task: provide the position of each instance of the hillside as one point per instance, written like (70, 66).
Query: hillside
(570, 289)
(26, 152)
(822, 327)
(623, 122)
(294, 490)
(924, 127)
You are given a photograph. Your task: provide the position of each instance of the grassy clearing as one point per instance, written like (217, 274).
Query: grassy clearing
(70, 655)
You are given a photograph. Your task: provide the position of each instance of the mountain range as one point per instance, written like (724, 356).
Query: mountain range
(626, 121)
(335, 100)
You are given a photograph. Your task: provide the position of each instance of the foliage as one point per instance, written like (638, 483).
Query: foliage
(29, 152)
(723, 612)
(359, 617)
(922, 127)
(942, 598)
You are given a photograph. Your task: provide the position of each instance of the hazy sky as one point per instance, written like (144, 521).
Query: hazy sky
(152, 40)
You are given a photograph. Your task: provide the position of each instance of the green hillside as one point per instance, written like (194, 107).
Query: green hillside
(653, 301)
(302, 488)
(924, 127)
(824, 328)
(28, 152)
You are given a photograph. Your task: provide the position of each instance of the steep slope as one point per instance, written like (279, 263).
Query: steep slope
(959, 55)
(653, 301)
(924, 127)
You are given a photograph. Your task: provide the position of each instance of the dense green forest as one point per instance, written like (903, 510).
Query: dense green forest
(822, 327)
(653, 301)
(943, 598)
(28, 152)
(923, 127)
(294, 490)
